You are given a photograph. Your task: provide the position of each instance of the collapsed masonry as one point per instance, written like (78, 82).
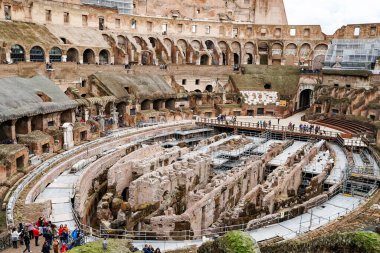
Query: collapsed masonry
(180, 192)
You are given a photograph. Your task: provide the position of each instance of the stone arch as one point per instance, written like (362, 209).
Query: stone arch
(291, 54)
(182, 45)
(55, 54)
(263, 53)
(236, 50)
(249, 55)
(209, 45)
(305, 98)
(121, 42)
(37, 54)
(88, 56)
(209, 88)
(146, 104)
(225, 52)
(146, 57)
(72, 55)
(277, 50)
(196, 45)
(170, 104)
(305, 50)
(172, 50)
(158, 104)
(319, 56)
(152, 41)
(140, 42)
(17, 53)
(104, 57)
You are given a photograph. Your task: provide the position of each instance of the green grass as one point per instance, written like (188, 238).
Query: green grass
(114, 246)
(355, 242)
(232, 242)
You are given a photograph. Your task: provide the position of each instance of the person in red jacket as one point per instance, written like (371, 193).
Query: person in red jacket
(36, 234)
(64, 248)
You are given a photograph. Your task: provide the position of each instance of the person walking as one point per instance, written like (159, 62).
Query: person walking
(55, 246)
(27, 242)
(36, 234)
(45, 247)
(14, 237)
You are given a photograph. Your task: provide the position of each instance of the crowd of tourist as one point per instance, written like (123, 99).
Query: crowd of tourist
(150, 249)
(57, 239)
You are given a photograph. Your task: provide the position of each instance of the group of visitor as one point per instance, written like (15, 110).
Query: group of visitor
(223, 117)
(150, 249)
(57, 239)
(310, 129)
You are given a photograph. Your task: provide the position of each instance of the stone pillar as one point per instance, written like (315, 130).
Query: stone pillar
(64, 58)
(68, 137)
(191, 57)
(97, 59)
(112, 60)
(115, 117)
(86, 114)
(13, 130)
(8, 56)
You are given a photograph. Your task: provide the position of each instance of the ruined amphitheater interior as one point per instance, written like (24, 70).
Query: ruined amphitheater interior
(175, 122)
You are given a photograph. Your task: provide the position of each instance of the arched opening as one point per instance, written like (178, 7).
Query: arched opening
(267, 86)
(72, 55)
(318, 62)
(88, 56)
(37, 123)
(17, 53)
(209, 88)
(37, 54)
(224, 60)
(157, 104)
(55, 55)
(146, 58)
(22, 126)
(145, 105)
(170, 104)
(236, 59)
(249, 58)
(104, 57)
(152, 41)
(263, 52)
(209, 44)
(204, 59)
(305, 99)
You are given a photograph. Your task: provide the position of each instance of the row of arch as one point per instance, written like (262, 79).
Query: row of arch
(37, 54)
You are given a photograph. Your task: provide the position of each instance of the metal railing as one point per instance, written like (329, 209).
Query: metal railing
(257, 126)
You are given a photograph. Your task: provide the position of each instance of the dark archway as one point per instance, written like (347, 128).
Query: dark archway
(72, 55)
(157, 104)
(236, 59)
(209, 44)
(88, 56)
(55, 55)
(249, 58)
(37, 54)
(145, 105)
(17, 53)
(204, 59)
(146, 58)
(305, 99)
(209, 88)
(104, 57)
(225, 60)
(170, 104)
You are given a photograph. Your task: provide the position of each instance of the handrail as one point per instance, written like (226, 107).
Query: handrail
(214, 122)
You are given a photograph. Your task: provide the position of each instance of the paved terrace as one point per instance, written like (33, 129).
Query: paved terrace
(274, 129)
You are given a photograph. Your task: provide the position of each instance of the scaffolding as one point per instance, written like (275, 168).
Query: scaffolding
(123, 6)
(353, 53)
